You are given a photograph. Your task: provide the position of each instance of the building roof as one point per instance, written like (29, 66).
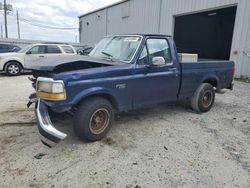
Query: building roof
(103, 8)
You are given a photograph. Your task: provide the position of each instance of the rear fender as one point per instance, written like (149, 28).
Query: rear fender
(212, 79)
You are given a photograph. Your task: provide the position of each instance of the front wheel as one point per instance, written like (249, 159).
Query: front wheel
(203, 98)
(93, 119)
(13, 69)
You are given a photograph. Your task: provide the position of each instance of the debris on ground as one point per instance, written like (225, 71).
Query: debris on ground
(39, 155)
(165, 148)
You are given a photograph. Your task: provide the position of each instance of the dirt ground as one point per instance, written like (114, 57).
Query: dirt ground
(165, 146)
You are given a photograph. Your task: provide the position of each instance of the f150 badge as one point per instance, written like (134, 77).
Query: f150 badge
(120, 86)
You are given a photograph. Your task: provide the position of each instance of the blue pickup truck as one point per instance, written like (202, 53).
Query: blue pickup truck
(122, 73)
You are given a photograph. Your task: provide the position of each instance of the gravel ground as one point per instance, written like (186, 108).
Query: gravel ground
(165, 146)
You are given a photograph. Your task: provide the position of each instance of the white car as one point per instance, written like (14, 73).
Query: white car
(14, 63)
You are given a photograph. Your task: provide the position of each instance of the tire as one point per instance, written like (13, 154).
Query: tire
(93, 119)
(203, 98)
(13, 69)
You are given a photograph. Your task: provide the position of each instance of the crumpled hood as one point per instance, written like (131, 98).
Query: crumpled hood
(51, 64)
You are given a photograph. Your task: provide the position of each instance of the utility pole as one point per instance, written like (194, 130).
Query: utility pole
(5, 18)
(18, 27)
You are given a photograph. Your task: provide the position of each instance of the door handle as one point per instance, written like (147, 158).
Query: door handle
(41, 56)
(172, 69)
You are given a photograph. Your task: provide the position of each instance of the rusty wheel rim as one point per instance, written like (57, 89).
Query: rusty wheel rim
(99, 121)
(207, 99)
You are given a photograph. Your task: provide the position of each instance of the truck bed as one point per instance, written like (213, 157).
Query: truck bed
(219, 73)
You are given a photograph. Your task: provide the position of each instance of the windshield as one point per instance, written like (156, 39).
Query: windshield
(23, 50)
(121, 48)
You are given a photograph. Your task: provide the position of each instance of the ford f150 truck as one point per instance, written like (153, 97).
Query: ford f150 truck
(122, 73)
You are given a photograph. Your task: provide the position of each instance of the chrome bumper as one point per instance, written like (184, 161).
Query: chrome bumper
(48, 133)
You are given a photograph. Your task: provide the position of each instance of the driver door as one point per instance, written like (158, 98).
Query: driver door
(155, 83)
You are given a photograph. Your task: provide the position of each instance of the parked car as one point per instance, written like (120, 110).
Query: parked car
(14, 63)
(122, 73)
(85, 51)
(9, 48)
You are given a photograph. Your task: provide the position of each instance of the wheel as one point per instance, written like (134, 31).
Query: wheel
(203, 98)
(93, 119)
(13, 69)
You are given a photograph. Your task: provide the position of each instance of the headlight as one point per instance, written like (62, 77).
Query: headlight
(49, 89)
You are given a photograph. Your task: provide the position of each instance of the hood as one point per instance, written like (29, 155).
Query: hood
(65, 63)
(9, 54)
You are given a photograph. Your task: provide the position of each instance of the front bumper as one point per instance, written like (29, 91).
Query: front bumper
(50, 136)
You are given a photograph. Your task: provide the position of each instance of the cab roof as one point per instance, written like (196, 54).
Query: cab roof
(142, 34)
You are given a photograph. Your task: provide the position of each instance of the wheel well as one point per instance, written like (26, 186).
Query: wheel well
(211, 81)
(110, 98)
(12, 61)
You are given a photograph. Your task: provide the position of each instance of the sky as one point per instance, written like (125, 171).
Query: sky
(52, 13)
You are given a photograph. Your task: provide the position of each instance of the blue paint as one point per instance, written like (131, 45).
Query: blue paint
(144, 85)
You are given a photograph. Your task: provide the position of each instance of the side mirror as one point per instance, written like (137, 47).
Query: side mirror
(28, 52)
(157, 61)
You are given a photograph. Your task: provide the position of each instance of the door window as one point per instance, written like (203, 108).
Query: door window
(37, 50)
(53, 49)
(159, 48)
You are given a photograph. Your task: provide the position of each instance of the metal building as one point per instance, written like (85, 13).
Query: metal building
(216, 29)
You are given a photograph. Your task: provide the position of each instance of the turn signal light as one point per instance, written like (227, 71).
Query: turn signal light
(51, 96)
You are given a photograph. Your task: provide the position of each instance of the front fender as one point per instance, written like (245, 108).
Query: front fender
(94, 91)
(62, 106)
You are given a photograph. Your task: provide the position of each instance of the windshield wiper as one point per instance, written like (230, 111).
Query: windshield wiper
(108, 55)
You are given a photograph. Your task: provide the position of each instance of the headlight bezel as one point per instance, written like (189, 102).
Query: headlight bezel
(51, 89)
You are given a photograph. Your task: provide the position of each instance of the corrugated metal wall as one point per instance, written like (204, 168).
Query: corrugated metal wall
(241, 41)
(147, 16)
(93, 27)
(143, 13)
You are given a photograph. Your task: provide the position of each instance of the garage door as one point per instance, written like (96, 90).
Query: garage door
(208, 33)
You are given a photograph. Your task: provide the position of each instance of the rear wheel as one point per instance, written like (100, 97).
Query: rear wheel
(93, 119)
(13, 69)
(203, 98)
